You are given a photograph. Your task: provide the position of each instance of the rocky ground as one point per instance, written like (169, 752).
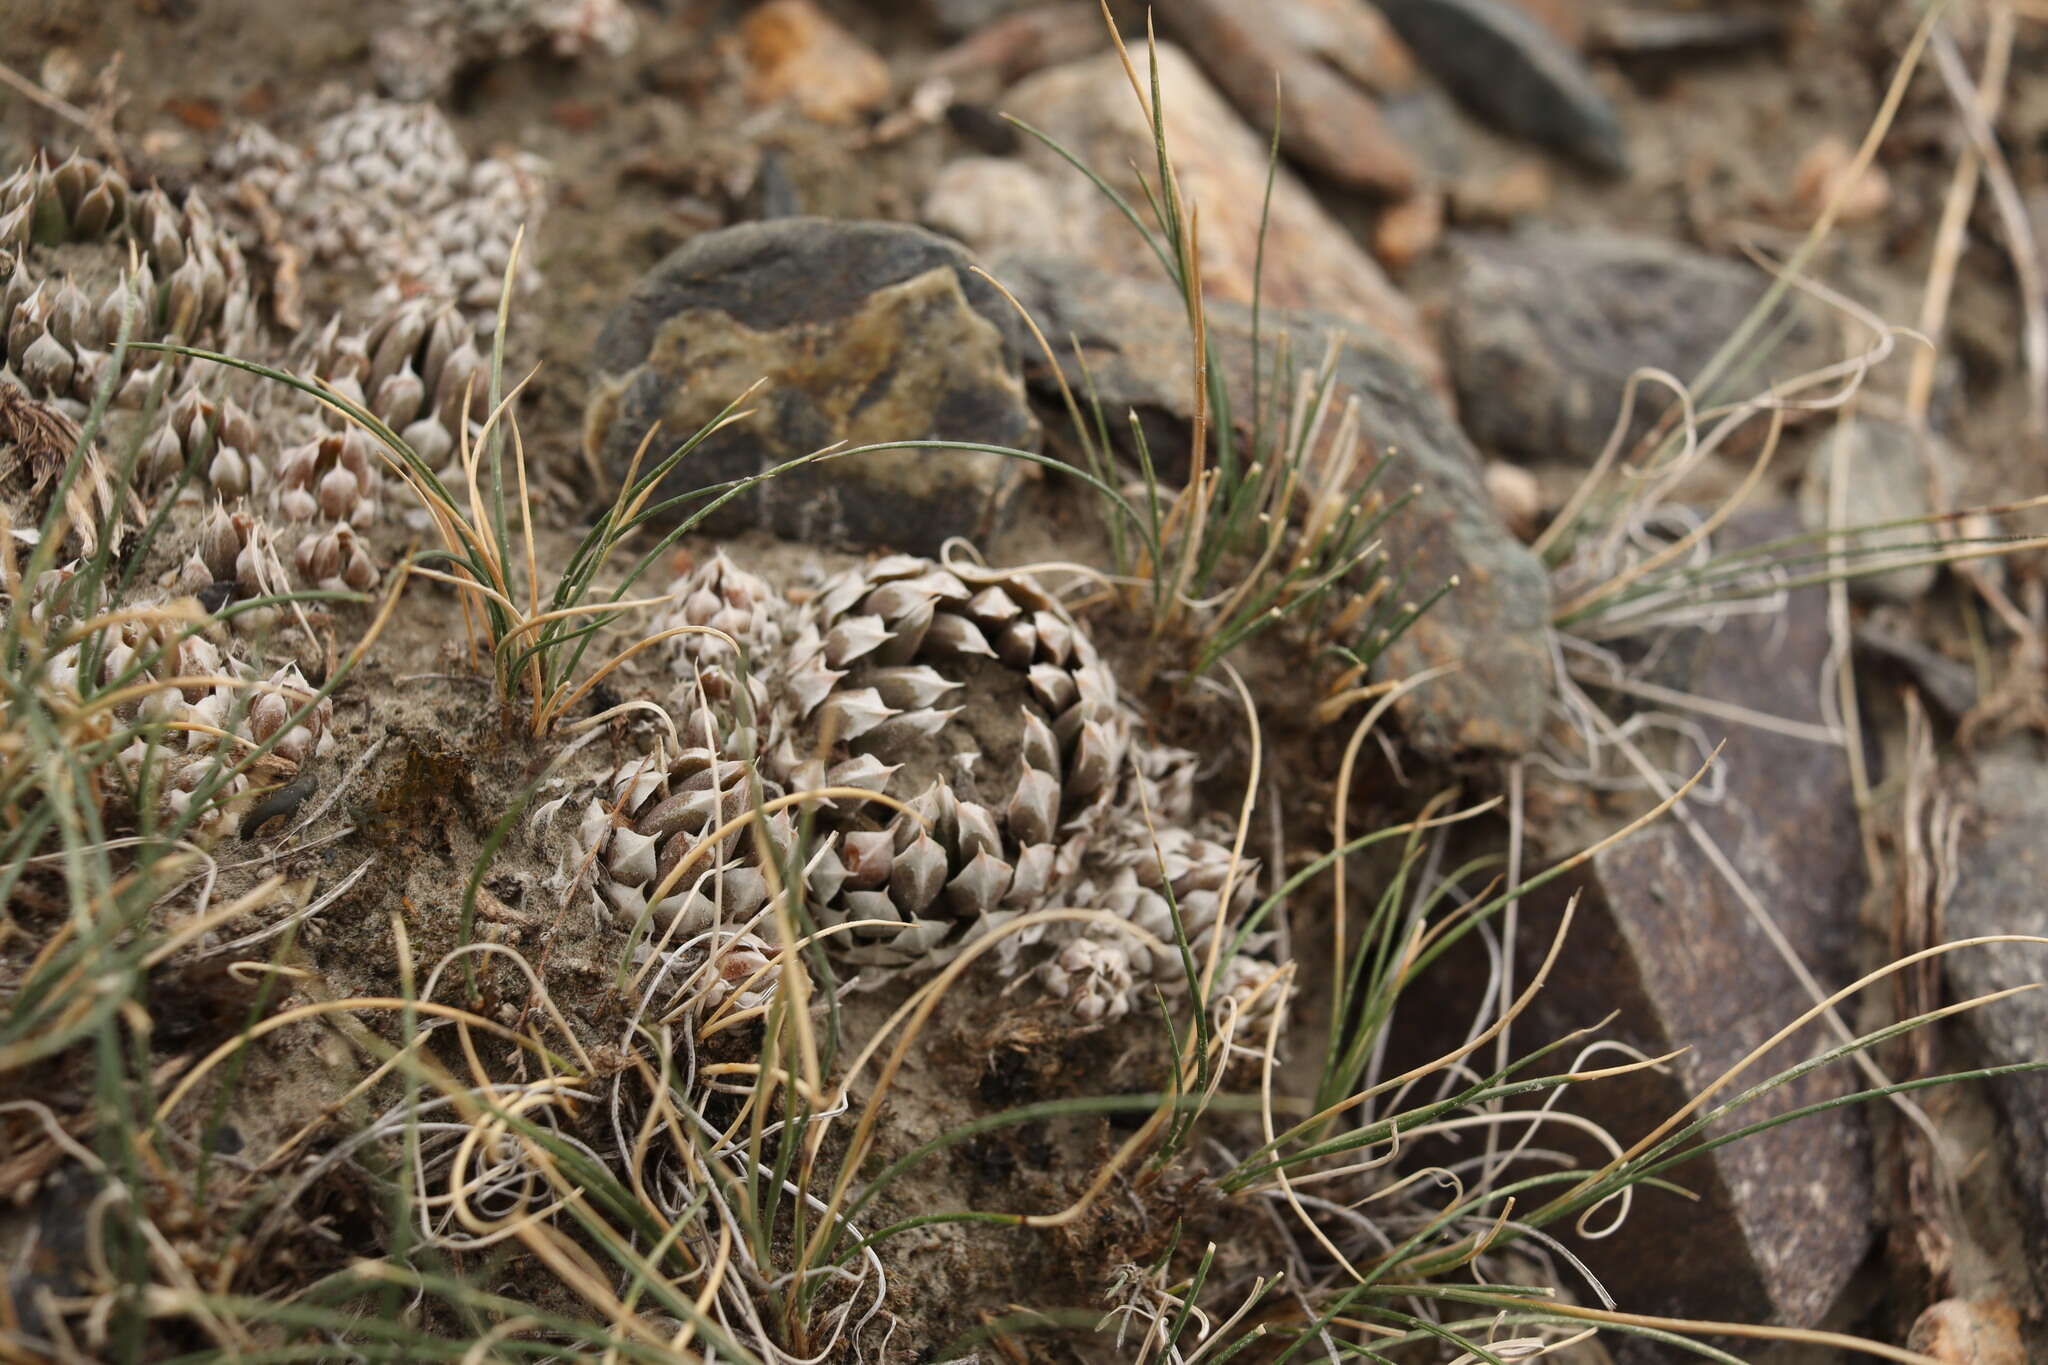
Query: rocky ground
(1525, 224)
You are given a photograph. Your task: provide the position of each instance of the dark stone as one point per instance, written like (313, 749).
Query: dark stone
(1545, 328)
(2002, 865)
(59, 1261)
(865, 332)
(978, 127)
(1784, 1217)
(1949, 684)
(1135, 339)
(958, 18)
(774, 194)
(1515, 73)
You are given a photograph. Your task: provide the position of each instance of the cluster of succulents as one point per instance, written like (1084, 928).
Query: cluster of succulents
(221, 438)
(420, 368)
(382, 187)
(64, 304)
(1020, 781)
(87, 255)
(566, 28)
(209, 706)
(420, 60)
(239, 549)
(388, 185)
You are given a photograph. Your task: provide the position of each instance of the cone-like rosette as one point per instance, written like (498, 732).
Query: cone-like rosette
(382, 187)
(80, 199)
(61, 325)
(336, 477)
(712, 972)
(971, 697)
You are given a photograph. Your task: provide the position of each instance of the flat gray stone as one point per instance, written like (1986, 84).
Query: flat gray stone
(1891, 473)
(865, 332)
(1784, 1217)
(2003, 866)
(1546, 326)
(1516, 74)
(1134, 337)
(1309, 259)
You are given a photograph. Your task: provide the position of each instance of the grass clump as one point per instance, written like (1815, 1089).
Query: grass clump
(1282, 526)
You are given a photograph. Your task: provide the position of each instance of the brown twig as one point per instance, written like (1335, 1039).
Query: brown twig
(97, 124)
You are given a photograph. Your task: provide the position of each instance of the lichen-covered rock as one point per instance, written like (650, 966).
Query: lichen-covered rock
(865, 333)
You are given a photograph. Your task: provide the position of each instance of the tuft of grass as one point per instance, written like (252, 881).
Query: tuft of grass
(1284, 527)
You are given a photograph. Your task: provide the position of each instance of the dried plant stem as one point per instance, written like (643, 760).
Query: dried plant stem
(1955, 214)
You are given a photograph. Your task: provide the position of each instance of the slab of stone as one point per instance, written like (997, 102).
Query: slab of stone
(1891, 473)
(1545, 327)
(1330, 58)
(982, 199)
(793, 51)
(1310, 261)
(957, 18)
(1005, 50)
(865, 333)
(1134, 338)
(1784, 1217)
(2002, 866)
(1515, 72)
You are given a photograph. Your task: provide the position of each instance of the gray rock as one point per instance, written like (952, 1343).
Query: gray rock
(1891, 473)
(2003, 864)
(865, 332)
(1545, 328)
(1784, 1217)
(983, 199)
(1515, 73)
(958, 18)
(1135, 340)
(1308, 261)
(1330, 57)
(1653, 33)
(1949, 684)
